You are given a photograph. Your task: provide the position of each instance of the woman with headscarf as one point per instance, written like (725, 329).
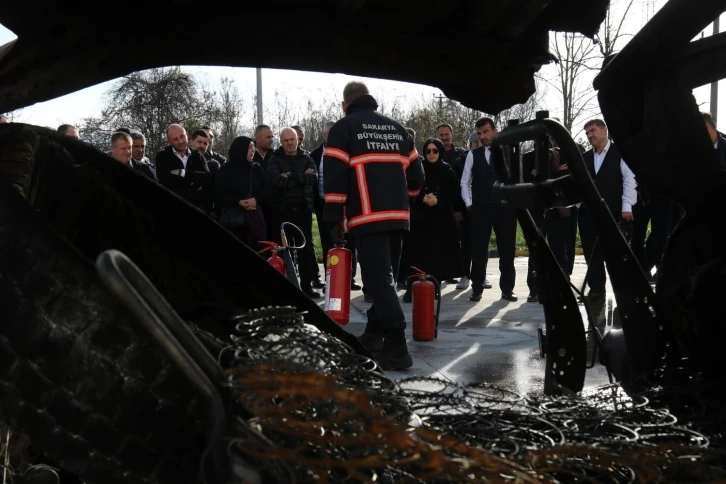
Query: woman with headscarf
(240, 188)
(434, 240)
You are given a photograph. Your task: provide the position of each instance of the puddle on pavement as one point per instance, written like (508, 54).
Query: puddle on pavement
(522, 369)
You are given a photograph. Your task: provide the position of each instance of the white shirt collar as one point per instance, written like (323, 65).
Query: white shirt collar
(604, 150)
(186, 153)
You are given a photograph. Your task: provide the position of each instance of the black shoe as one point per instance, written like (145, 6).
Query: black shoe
(487, 284)
(354, 286)
(510, 297)
(318, 284)
(532, 297)
(475, 296)
(312, 294)
(452, 281)
(408, 297)
(595, 295)
(395, 355)
(372, 341)
(401, 285)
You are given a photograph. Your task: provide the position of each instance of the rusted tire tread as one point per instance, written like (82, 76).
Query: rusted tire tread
(77, 374)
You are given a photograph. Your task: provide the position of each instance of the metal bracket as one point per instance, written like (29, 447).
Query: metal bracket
(565, 346)
(646, 336)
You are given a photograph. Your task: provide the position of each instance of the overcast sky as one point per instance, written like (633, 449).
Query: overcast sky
(87, 102)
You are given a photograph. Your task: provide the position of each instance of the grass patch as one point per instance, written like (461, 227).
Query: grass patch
(520, 243)
(316, 240)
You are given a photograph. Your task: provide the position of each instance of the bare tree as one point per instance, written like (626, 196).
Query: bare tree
(576, 57)
(579, 58)
(13, 116)
(611, 29)
(425, 115)
(227, 116)
(648, 9)
(95, 132)
(314, 121)
(525, 111)
(282, 113)
(392, 108)
(152, 100)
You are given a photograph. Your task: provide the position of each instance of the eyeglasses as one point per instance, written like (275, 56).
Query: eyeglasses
(432, 150)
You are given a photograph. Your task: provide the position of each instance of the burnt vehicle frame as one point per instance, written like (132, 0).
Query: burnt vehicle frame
(30, 74)
(645, 94)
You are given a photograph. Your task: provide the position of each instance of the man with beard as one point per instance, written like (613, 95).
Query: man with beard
(201, 142)
(180, 169)
(485, 215)
(212, 155)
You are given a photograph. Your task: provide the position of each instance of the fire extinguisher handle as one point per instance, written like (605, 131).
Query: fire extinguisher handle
(269, 246)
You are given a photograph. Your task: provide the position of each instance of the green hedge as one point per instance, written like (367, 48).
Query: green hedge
(520, 244)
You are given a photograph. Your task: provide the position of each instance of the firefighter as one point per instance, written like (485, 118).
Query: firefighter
(371, 170)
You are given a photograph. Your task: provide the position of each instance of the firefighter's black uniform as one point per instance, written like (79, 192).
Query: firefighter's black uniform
(371, 170)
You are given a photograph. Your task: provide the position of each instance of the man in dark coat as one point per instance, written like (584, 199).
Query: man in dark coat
(210, 154)
(138, 156)
(180, 169)
(264, 138)
(292, 177)
(319, 193)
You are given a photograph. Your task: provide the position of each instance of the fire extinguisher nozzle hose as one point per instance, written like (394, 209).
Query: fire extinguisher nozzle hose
(437, 286)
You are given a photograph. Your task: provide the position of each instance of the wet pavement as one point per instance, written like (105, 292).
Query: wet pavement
(493, 340)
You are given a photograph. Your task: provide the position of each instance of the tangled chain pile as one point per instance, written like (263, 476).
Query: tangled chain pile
(322, 413)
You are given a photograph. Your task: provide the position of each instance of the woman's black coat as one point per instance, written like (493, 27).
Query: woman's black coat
(434, 239)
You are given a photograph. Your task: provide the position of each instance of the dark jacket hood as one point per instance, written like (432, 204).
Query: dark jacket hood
(238, 150)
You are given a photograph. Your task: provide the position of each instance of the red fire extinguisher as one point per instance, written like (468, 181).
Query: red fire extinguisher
(275, 260)
(425, 318)
(337, 281)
